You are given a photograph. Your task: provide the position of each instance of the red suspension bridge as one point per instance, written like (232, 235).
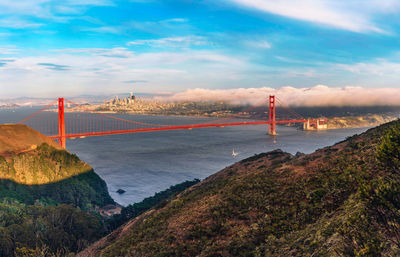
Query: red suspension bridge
(74, 121)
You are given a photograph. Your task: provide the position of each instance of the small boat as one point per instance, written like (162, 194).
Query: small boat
(233, 153)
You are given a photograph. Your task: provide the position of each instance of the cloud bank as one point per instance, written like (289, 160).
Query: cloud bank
(319, 95)
(354, 16)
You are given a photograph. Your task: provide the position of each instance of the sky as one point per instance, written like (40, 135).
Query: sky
(52, 48)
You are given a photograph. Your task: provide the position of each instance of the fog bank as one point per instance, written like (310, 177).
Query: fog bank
(319, 95)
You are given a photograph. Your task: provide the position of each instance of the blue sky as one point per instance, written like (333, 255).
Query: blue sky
(51, 48)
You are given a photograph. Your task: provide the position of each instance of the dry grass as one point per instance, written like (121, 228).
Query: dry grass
(17, 138)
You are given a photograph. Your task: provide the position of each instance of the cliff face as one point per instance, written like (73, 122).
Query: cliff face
(341, 200)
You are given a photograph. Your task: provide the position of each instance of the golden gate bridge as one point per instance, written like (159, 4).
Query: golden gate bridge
(68, 121)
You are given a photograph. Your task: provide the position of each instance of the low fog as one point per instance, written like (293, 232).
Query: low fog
(317, 96)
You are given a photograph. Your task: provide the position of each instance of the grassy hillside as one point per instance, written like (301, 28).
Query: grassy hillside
(16, 138)
(34, 168)
(53, 176)
(342, 200)
(158, 200)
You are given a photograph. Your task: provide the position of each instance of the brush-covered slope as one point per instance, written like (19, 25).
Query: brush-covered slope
(34, 168)
(342, 200)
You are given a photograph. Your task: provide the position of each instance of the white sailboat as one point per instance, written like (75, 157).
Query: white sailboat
(233, 153)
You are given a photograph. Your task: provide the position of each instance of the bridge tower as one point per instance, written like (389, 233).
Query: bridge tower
(61, 122)
(272, 115)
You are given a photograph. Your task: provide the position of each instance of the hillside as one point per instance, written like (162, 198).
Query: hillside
(370, 120)
(16, 138)
(341, 200)
(47, 196)
(33, 167)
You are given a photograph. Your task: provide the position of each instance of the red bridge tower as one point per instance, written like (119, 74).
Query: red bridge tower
(272, 115)
(61, 123)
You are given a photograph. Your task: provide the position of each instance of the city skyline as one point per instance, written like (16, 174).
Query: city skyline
(85, 47)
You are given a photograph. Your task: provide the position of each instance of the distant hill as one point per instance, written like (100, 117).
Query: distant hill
(342, 200)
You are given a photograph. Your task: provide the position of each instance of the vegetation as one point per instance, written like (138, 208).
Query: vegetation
(62, 230)
(57, 176)
(342, 200)
(159, 200)
(47, 203)
(30, 230)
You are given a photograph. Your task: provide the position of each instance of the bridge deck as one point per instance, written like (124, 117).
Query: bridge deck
(102, 133)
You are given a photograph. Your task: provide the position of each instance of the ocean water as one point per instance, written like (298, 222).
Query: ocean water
(145, 163)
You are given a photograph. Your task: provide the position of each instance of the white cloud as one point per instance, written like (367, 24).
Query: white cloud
(388, 6)
(380, 67)
(154, 58)
(7, 50)
(90, 2)
(160, 27)
(258, 44)
(107, 29)
(117, 52)
(17, 23)
(25, 7)
(313, 96)
(290, 60)
(349, 15)
(90, 70)
(172, 42)
(23, 10)
(175, 20)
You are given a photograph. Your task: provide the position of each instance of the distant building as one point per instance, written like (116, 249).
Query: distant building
(132, 96)
(316, 124)
(124, 101)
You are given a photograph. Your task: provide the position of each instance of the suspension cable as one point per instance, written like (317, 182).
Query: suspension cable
(289, 109)
(116, 118)
(36, 113)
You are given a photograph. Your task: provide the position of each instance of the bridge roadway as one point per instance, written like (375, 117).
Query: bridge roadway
(204, 125)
